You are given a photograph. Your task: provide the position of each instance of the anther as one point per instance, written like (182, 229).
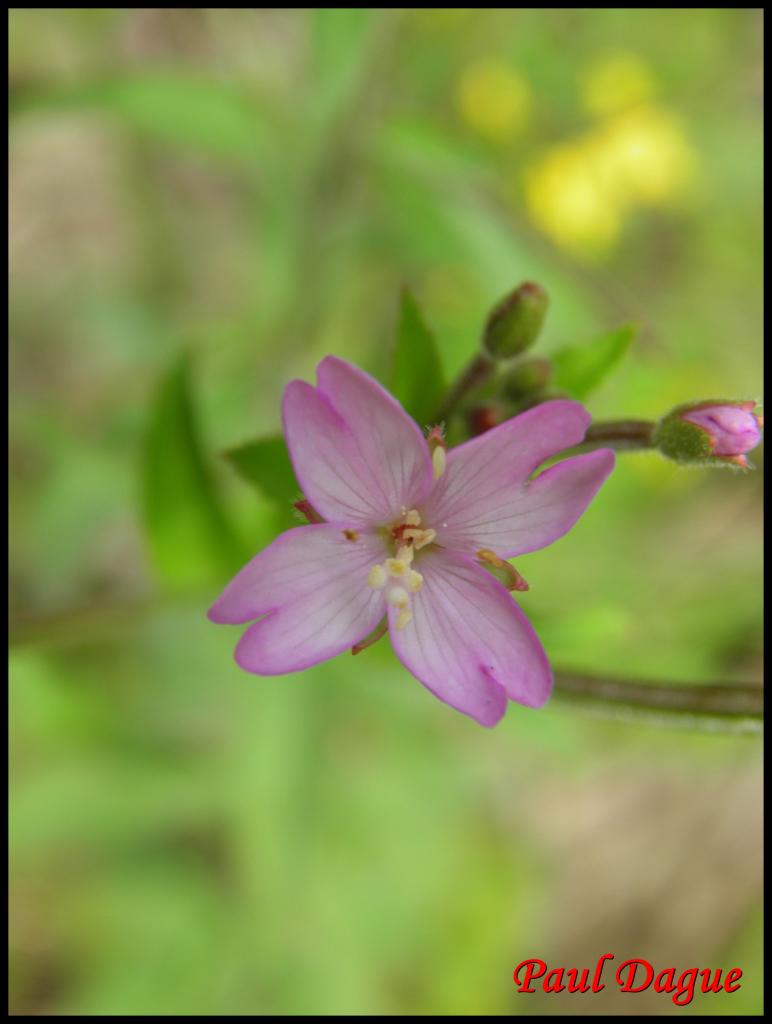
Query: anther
(403, 618)
(413, 518)
(505, 571)
(414, 581)
(376, 578)
(396, 567)
(438, 462)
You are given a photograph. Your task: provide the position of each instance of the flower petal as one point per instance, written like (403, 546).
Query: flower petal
(311, 585)
(357, 454)
(529, 516)
(484, 499)
(469, 642)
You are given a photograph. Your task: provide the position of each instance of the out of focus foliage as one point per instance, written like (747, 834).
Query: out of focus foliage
(241, 192)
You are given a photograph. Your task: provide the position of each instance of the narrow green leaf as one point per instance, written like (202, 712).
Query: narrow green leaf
(190, 537)
(188, 111)
(178, 109)
(266, 464)
(579, 369)
(417, 379)
(339, 52)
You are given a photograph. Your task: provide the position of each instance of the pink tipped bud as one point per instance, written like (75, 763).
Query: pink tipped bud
(714, 431)
(733, 428)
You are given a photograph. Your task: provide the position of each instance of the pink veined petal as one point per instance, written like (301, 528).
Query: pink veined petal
(327, 461)
(532, 515)
(311, 586)
(469, 642)
(484, 499)
(357, 454)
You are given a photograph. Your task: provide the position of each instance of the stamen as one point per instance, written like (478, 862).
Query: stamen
(426, 537)
(376, 578)
(377, 633)
(305, 508)
(403, 618)
(414, 581)
(506, 573)
(398, 598)
(405, 554)
(413, 518)
(396, 567)
(438, 462)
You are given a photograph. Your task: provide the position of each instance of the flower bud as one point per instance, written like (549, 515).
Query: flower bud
(714, 431)
(514, 323)
(485, 417)
(526, 378)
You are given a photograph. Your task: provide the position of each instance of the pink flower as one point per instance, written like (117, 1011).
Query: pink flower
(732, 427)
(406, 531)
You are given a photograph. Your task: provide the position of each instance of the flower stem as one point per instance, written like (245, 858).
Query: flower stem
(622, 435)
(475, 374)
(718, 707)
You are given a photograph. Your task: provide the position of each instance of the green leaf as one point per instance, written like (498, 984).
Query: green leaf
(266, 464)
(188, 111)
(191, 539)
(339, 52)
(579, 369)
(178, 109)
(422, 148)
(417, 379)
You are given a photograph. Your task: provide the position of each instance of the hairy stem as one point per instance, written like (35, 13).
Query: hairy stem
(623, 435)
(719, 707)
(724, 707)
(475, 374)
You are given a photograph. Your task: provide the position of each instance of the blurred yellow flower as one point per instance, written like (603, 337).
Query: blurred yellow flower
(617, 82)
(579, 192)
(565, 197)
(494, 100)
(643, 155)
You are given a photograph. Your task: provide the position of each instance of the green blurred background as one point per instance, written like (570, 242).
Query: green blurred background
(254, 187)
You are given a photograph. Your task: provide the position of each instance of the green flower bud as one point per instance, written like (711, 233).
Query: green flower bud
(527, 377)
(514, 323)
(714, 432)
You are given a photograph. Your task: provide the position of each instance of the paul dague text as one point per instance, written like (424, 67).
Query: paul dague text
(633, 976)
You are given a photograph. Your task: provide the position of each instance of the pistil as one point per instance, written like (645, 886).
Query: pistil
(408, 536)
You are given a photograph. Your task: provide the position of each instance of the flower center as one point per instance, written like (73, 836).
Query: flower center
(406, 536)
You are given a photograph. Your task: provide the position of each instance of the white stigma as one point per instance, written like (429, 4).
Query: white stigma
(421, 537)
(395, 574)
(398, 598)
